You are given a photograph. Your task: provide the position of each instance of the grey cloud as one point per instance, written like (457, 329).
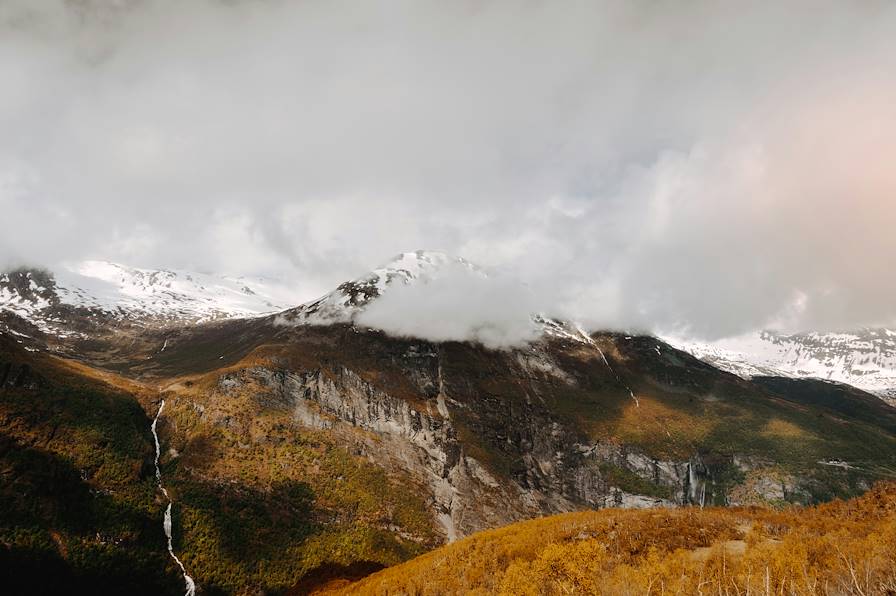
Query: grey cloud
(704, 168)
(458, 304)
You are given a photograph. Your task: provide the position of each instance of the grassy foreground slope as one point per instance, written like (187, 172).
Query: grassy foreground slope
(842, 547)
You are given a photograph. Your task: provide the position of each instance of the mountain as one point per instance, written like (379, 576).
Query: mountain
(298, 447)
(865, 358)
(119, 293)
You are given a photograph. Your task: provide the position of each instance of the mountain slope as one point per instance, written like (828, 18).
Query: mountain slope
(488, 437)
(80, 498)
(841, 548)
(78, 507)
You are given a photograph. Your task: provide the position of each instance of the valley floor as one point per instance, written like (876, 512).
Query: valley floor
(843, 547)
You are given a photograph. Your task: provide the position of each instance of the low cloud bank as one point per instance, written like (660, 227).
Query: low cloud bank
(459, 304)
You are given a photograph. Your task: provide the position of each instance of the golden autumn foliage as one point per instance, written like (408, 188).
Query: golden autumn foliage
(843, 547)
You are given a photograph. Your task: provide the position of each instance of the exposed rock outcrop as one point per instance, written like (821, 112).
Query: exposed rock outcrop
(555, 472)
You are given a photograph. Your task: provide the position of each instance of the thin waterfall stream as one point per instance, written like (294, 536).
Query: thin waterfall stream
(190, 584)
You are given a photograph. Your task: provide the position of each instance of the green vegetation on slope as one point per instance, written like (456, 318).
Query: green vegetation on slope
(261, 502)
(78, 505)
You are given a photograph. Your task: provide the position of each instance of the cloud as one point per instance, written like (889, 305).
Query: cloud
(457, 304)
(701, 168)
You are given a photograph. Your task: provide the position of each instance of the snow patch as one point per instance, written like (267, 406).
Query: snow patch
(128, 293)
(863, 358)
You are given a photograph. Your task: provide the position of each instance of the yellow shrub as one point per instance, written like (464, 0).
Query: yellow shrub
(837, 548)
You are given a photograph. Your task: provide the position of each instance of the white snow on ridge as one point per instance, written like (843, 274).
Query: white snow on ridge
(28, 309)
(864, 358)
(177, 294)
(128, 292)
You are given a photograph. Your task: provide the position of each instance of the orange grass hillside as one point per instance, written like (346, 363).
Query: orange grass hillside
(837, 548)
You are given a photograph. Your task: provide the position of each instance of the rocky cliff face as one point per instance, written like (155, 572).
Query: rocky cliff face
(417, 439)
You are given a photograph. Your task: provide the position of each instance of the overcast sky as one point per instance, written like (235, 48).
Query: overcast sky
(711, 168)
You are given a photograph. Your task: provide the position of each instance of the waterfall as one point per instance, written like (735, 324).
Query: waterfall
(696, 492)
(584, 335)
(166, 524)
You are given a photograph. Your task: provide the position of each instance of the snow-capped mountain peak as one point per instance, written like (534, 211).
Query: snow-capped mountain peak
(349, 298)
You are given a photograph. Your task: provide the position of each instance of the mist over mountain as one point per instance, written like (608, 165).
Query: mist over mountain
(695, 169)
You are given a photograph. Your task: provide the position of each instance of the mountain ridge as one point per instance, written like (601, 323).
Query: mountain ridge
(71, 301)
(864, 358)
(134, 294)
